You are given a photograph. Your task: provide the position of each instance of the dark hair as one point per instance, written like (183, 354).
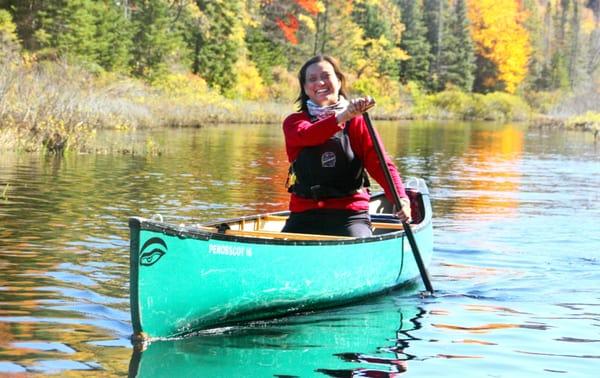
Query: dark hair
(303, 97)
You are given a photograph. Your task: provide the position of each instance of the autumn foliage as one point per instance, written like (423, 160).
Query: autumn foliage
(289, 27)
(500, 37)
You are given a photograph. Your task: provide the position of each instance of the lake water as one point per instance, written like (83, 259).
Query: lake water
(516, 264)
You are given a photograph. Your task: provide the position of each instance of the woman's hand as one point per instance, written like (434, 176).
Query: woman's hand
(357, 106)
(404, 214)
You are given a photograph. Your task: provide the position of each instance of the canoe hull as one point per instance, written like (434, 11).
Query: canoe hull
(183, 280)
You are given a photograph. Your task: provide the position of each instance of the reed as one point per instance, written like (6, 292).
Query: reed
(55, 106)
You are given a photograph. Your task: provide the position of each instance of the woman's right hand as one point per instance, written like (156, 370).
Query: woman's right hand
(356, 107)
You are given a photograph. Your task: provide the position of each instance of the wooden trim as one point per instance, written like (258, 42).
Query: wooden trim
(381, 225)
(274, 218)
(276, 235)
(389, 226)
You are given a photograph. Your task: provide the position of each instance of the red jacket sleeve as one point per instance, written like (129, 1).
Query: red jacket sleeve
(363, 146)
(299, 132)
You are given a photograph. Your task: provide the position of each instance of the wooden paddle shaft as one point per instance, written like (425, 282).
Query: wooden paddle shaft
(388, 178)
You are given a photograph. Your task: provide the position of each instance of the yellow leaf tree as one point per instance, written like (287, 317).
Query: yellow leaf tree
(501, 41)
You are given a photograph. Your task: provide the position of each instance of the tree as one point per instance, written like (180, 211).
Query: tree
(265, 53)
(435, 14)
(457, 54)
(216, 48)
(155, 41)
(382, 33)
(112, 38)
(9, 43)
(501, 43)
(414, 42)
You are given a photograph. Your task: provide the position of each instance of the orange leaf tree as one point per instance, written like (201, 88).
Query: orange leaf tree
(501, 43)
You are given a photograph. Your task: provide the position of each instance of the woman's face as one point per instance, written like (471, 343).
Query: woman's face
(321, 84)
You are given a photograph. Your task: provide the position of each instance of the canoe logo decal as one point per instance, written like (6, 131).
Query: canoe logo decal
(156, 248)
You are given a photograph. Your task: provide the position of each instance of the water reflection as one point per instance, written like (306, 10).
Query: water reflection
(368, 340)
(516, 216)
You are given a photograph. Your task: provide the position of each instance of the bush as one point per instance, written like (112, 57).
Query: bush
(457, 104)
(500, 106)
(589, 121)
(385, 91)
(284, 87)
(249, 85)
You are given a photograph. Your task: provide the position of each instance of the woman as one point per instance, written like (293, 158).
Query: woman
(329, 148)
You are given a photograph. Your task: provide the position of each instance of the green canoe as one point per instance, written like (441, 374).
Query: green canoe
(185, 278)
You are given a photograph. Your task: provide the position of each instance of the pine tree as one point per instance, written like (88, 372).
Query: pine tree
(265, 53)
(435, 15)
(215, 48)
(382, 33)
(155, 40)
(414, 42)
(457, 52)
(68, 28)
(113, 37)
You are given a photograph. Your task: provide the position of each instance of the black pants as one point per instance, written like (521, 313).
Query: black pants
(330, 222)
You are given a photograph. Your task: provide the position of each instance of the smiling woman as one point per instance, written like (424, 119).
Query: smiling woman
(330, 153)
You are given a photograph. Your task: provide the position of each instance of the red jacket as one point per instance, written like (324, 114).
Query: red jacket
(300, 132)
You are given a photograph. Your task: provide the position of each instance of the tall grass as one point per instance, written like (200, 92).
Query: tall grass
(57, 106)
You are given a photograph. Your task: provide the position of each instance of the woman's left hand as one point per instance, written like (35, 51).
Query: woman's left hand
(356, 107)
(404, 214)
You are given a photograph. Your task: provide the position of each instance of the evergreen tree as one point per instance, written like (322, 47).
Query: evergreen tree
(113, 37)
(414, 42)
(337, 34)
(24, 14)
(215, 48)
(435, 14)
(382, 33)
(155, 40)
(265, 53)
(577, 50)
(68, 28)
(9, 43)
(457, 62)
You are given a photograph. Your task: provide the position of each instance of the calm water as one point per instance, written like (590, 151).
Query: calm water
(516, 265)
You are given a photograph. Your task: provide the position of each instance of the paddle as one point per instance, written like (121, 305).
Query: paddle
(388, 178)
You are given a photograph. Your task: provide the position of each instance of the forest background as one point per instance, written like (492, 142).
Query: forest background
(71, 67)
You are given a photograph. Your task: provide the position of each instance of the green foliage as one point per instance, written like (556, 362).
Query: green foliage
(457, 64)
(217, 49)
(68, 28)
(382, 33)
(8, 28)
(265, 53)
(414, 42)
(248, 83)
(9, 44)
(588, 121)
(383, 89)
(284, 87)
(504, 106)
(113, 38)
(543, 101)
(456, 104)
(156, 40)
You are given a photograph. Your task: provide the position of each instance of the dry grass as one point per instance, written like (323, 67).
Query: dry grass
(57, 107)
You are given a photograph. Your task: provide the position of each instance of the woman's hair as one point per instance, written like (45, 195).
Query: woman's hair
(303, 97)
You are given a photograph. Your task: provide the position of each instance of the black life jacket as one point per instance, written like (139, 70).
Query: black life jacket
(329, 170)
